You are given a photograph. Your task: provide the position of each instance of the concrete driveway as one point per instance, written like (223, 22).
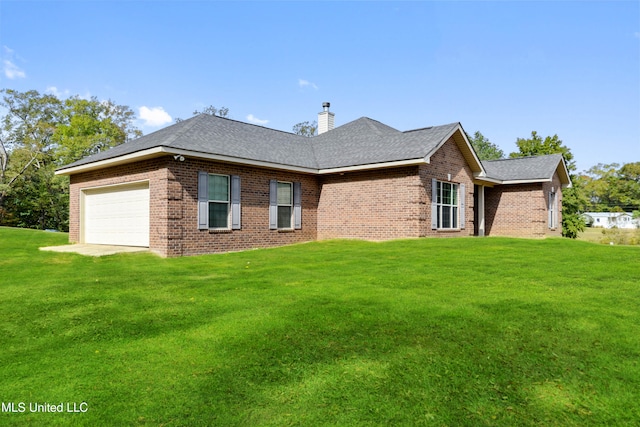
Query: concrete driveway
(94, 250)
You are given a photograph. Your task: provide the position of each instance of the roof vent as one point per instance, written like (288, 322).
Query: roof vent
(325, 119)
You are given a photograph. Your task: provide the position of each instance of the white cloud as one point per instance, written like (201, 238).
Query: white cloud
(304, 83)
(12, 71)
(53, 90)
(154, 116)
(9, 67)
(256, 120)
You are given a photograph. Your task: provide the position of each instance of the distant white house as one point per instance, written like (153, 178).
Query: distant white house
(611, 219)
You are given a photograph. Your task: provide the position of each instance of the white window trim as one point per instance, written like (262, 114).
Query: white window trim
(436, 208)
(553, 210)
(228, 202)
(290, 227)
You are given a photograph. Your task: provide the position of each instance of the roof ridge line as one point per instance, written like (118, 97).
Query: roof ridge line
(251, 124)
(432, 127)
(525, 157)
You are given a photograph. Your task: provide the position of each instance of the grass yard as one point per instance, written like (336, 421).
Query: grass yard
(436, 332)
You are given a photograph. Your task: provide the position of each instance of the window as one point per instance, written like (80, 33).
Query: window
(553, 210)
(218, 201)
(447, 205)
(285, 206)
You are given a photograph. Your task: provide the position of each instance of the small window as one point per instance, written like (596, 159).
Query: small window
(553, 211)
(219, 192)
(285, 204)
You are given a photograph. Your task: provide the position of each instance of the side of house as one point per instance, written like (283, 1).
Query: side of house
(524, 210)
(525, 199)
(399, 202)
(173, 215)
(210, 184)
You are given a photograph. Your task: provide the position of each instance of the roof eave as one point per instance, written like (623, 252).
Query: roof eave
(113, 161)
(372, 166)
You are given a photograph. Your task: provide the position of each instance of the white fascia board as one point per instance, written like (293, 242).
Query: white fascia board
(372, 166)
(481, 177)
(127, 158)
(527, 181)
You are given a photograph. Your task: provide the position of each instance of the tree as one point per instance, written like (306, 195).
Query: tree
(89, 126)
(39, 133)
(612, 188)
(25, 135)
(211, 110)
(484, 148)
(306, 128)
(536, 146)
(573, 200)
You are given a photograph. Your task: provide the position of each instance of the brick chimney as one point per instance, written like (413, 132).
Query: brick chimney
(325, 119)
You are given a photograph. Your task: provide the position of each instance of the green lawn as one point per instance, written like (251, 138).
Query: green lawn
(441, 332)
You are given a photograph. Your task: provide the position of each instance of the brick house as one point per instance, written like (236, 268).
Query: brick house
(210, 184)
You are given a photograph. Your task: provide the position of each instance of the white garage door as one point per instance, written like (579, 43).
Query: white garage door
(117, 215)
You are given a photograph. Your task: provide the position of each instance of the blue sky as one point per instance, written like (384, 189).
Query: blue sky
(503, 68)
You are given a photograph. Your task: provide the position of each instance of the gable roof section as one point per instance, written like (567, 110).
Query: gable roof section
(527, 169)
(367, 143)
(209, 137)
(361, 144)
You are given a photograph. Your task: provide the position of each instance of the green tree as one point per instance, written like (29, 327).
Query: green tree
(306, 128)
(574, 198)
(39, 133)
(614, 188)
(536, 146)
(89, 126)
(485, 149)
(25, 136)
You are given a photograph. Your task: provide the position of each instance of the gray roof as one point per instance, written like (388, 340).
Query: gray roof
(523, 168)
(361, 142)
(209, 134)
(366, 141)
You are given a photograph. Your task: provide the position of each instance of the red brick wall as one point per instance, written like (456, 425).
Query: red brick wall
(391, 203)
(174, 195)
(521, 210)
(372, 205)
(186, 239)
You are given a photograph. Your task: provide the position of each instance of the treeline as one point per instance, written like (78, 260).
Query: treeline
(40, 133)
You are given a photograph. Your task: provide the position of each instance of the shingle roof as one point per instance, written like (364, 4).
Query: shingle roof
(215, 135)
(365, 141)
(523, 169)
(361, 142)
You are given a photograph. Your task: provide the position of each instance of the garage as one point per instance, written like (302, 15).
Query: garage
(116, 215)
